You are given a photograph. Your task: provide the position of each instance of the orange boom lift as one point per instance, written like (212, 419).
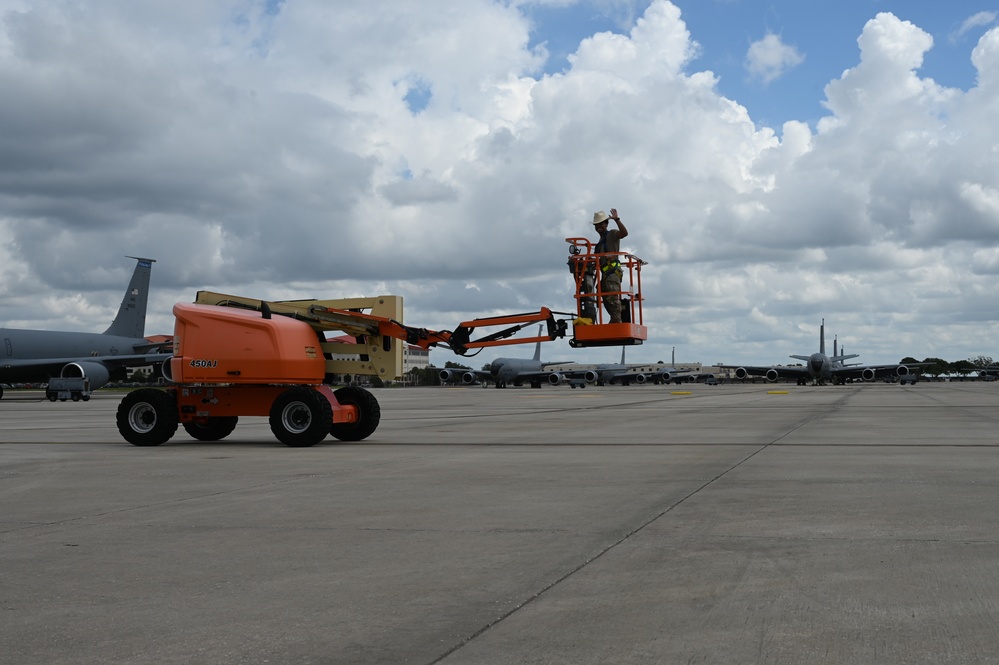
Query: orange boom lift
(236, 356)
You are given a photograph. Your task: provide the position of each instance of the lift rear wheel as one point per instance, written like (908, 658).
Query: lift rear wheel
(147, 417)
(213, 428)
(301, 417)
(369, 414)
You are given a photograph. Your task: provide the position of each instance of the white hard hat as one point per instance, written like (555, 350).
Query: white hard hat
(600, 217)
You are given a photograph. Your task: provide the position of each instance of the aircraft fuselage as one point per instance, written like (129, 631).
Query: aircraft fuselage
(55, 347)
(507, 370)
(819, 366)
(43, 344)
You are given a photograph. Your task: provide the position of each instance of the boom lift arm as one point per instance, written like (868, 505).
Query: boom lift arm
(381, 324)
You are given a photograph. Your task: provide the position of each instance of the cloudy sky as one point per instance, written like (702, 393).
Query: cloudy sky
(777, 162)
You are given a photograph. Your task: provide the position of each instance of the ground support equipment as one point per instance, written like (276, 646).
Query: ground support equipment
(236, 356)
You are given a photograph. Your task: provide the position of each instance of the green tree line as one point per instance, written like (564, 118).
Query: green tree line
(938, 366)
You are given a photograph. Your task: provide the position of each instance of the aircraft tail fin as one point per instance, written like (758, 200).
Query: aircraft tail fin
(622, 354)
(131, 318)
(822, 337)
(537, 349)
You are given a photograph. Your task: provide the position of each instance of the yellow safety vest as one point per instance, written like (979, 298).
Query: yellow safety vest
(610, 263)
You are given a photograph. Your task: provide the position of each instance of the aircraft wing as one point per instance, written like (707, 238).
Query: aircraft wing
(159, 347)
(770, 372)
(552, 376)
(465, 376)
(53, 366)
(99, 369)
(679, 375)
(874, 372)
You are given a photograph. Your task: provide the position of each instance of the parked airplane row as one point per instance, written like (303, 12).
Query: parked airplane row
(518, 371)
(818, 369)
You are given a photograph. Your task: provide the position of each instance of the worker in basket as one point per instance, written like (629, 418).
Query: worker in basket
(610, 266)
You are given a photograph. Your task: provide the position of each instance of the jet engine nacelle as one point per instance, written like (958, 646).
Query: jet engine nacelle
(902, 370)
(457, 376)
(98, 374)
(591, 376)
(868, 374)
(665, 377)
(555, 379)
(639, 378)
(741, 373)
(772, 375)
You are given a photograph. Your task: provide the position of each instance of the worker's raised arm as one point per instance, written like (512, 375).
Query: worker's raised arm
(622, 230)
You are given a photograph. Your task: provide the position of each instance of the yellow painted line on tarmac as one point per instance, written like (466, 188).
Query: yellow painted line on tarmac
(569, 394)
(681, 392)
(777, 392)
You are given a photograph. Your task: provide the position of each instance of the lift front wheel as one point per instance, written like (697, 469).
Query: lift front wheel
(301, 417)
(147, 417)
(369, 414)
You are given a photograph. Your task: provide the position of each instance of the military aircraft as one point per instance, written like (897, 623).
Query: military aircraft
(516, 371)
(674, 374)
(625, 374)
(819, 368)
(615, 373)
(89, 359)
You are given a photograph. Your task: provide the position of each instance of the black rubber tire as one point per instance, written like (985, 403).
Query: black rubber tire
(215, 428)
(369, 414)
(147, 417)
(301, 417)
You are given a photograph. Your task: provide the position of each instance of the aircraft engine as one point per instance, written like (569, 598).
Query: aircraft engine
(868, 374)
(741, 373)
(457, 376)
(902, 370)
(96, 372)
(555, 379)
(665, 377)
(639, 378)
(771, 375)
(591, 376)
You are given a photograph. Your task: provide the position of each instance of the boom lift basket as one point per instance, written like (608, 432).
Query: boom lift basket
(592, 326)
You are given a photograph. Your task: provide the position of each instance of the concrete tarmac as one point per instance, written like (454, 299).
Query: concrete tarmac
(840, 524)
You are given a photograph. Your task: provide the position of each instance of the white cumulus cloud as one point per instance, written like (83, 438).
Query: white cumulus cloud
(770, 58)
(278, 151)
